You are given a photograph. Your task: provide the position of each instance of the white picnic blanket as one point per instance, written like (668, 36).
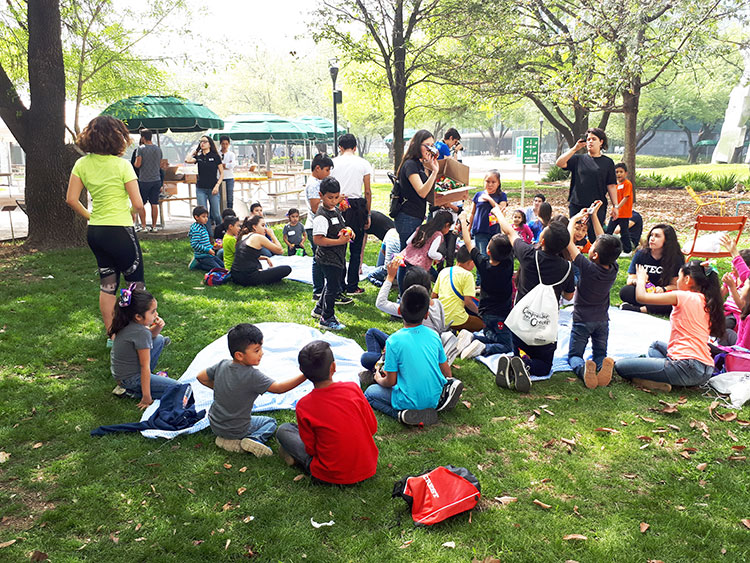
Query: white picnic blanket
(281, 344)
(302, 268)
(630, 335)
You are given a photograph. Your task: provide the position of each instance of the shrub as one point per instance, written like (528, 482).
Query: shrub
(649, 161)
(725, 182)
(379, 160)
(648, 180)
(700, 181)
(556, 174)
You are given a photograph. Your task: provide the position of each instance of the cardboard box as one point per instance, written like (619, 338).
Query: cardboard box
(459, 194)
(451, 168)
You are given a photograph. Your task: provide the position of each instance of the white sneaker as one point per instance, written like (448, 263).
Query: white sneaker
(473, 350)
(256, 448)
(464, 339)
(626, 254)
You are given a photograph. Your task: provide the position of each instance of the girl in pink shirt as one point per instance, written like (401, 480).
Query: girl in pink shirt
(422, 247)
(739, 289)
(697, 314)
(520, 226)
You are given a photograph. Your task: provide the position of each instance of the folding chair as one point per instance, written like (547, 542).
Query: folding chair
(713, 223)
(714, 199)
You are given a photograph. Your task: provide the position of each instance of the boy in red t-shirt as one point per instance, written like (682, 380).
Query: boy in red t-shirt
(624, 208)
(333, 437)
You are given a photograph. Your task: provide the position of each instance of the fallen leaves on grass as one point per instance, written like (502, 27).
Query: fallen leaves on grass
(727, 416)
(645, 438)
(36, 446)
(701, 466)
(467, 404)
(745, 522)
(198, 542)
(629, 475)
(540, 504)
(241, 490)
(243, 469)
(247, 519)
(227, 506)
(608, 430)
(406, 544)
(669, 408)
(644, 527)
(647, 419)
(732, 436)
(575, 537)
(674, 427)
(505, 500)
(685, 454)
(570, 442)
(299, 477)
(449, 544)
(4, 456)
(7, 544)
(486, 560)
(227, 466)
(38, 556)
(737, 458)
(738, 448)
(575, 510)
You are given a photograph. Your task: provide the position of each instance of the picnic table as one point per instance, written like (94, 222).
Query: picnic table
(277, 186)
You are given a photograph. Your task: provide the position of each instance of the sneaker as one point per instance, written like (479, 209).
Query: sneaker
(343, 299)
(630, 307)
(650, 384)
(193, 264)
(366, 378)
(256, 448)
(605, 374)
(138, 228)
(119, 391)
(167, 341)
(450, 395)
(504, 375)
(154, 229)
(283, 454)
(565, 302)
(626, 254)
(355, 291)
(464, 339)
(449, 345)
(228, 444)
(421, 417)
(589, 375)
(332, 324)
(473, 350)
(316, 313)
(316, 296)
(520, 374)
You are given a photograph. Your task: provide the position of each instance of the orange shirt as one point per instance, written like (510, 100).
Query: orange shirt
(625, 190)
(688, 339)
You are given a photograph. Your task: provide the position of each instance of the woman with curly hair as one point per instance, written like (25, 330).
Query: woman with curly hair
(113, 186)
(662, 258)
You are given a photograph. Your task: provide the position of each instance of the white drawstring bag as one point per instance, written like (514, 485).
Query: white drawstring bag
(533, 319)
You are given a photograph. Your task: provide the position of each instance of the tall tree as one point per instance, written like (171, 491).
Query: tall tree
(40, 130)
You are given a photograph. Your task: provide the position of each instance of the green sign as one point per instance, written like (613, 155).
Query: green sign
(527, 150)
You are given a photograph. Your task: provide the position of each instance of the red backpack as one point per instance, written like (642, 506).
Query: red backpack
(438, 494)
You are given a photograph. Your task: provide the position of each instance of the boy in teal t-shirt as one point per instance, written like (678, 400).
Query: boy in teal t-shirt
(417, 382)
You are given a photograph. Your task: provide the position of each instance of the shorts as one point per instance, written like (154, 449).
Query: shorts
(150, 191)
(117, 251)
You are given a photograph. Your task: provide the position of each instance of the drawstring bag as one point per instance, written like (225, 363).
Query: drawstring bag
(534, 318)
(438, 494)
(216, 276)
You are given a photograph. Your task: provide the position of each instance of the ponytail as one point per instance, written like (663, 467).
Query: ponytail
(425, 232)
(706, 280)
(133, 301)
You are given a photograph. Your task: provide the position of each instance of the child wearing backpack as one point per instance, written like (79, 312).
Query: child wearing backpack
(333, 437)
(236, 384)
(417, 381)
(542, 263)
(597, 275)
(137, 347)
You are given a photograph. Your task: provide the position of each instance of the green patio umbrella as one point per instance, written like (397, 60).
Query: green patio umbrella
(163, 113)
(325, 124)
(262, 127)
(408, 134)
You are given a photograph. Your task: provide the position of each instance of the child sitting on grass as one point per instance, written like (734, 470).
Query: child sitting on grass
(417, 381)
(597, 275)
(422, 247)
(137, 348)
(204, 255)
(739, 287)
(231, 228)
(236, 384)
(519, 224)
(456, 290)
(332, 440)
(294, 234)
(221, 228)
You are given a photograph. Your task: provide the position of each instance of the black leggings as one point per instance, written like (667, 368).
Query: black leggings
(117, 251)
(627, 294)
(261, 277)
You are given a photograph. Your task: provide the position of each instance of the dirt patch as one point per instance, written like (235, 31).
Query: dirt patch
(464, 430)
(34, 503)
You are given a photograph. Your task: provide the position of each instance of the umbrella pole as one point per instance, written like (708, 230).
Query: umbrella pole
(158, 141)
(288, 155)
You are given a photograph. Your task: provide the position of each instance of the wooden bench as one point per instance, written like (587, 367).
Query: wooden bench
(276, 195)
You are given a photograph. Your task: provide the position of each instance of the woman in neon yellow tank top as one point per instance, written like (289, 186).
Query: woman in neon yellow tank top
(113, 186)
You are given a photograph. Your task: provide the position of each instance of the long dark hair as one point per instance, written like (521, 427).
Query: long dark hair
(671, 254)
(706, 281)
(425, 232)
(211, 144)
(132, 301)
(414, 151)
(248, 225)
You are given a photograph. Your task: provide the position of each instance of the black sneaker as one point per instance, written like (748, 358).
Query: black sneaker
(504, 375)
(414, 417)
(355, 291)
(450, 395)
(366, 378)
(520, 374)
(316, 313)
(316, 296)
(630, 307)
(343, 299)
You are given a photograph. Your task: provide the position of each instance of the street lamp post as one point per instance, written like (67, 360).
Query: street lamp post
(334, 70)
(539, 164)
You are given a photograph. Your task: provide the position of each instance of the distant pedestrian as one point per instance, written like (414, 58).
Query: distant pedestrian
(148, 162)
(229, 160)
(210, 176)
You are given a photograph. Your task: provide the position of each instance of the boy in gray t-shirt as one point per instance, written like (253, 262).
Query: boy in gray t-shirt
(236, 384)
(294, 233)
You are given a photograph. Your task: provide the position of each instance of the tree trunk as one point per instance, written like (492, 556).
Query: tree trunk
(48, 162)
(630, 100)
(398, 84)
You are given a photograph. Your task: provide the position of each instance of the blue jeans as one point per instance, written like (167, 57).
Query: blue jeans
(405, 226)
(624, 232)
(206, 198)
(331, 290)
(380, 399)
(482, 240)
(159, 383)
(230, 192)
(208, 262)
(349, 283)
(375, 342)
(658, 367)
(261, 428)
(598, 331)
(495, 336)
(317, 273)
(539, 359)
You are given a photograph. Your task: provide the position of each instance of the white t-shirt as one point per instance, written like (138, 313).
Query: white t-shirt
(350, 170)
(312, 191)
(229, 160)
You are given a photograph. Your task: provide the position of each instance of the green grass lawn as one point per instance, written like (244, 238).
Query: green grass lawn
(741, 171)
(127, 498)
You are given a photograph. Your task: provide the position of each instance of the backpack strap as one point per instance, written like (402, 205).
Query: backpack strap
(539, 272)
(453, 287)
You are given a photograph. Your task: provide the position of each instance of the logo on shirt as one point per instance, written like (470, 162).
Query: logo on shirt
(651, 269)
(535, 319)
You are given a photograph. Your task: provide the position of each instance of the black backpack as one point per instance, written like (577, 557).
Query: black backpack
(397, 200)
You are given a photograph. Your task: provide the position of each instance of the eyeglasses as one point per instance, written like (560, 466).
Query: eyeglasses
(204, 140)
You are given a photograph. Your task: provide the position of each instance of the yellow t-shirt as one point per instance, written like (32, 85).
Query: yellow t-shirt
(452, 305)
(104, 176)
